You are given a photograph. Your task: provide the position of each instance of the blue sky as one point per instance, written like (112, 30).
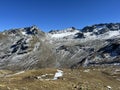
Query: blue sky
(57, 14)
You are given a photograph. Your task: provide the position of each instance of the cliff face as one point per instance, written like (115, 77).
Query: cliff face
(28, 48)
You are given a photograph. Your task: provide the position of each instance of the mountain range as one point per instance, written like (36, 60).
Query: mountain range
(31, 48)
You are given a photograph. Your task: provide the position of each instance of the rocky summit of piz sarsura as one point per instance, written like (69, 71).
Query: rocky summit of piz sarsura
(30, 48)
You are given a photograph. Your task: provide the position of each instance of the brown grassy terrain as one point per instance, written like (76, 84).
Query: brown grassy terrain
(76, 79)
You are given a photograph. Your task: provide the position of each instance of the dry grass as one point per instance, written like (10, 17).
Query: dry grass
(77, 79)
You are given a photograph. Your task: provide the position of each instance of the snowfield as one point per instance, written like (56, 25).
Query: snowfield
(61, 35)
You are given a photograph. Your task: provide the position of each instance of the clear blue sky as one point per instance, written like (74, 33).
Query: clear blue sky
(57, 14)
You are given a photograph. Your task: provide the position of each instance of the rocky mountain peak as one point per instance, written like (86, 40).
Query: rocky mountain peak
(32, 30)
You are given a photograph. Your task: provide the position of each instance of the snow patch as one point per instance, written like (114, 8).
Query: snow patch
(23, 33)
(87, 70)
(58, 74)
(107, 35)
(90, 35)
(61, 35)
(44, 77)
(113, 33)
(109, 87)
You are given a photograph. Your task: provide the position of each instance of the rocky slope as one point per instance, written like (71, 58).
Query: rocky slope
(28, 48)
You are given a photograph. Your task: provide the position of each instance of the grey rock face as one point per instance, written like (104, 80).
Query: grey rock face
(28, 48)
